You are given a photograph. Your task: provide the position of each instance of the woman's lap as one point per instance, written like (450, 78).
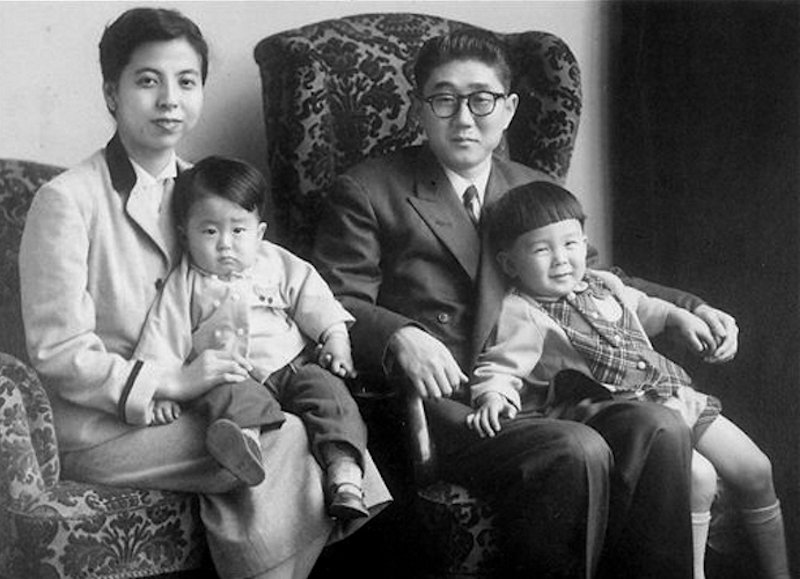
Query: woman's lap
(169, 457)
(250, 529)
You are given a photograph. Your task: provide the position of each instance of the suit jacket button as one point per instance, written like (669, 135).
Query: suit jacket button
(443, 318)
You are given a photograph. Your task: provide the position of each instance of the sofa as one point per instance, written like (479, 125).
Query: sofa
(55, 528)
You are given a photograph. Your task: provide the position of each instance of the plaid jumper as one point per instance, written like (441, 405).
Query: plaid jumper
(618, 353)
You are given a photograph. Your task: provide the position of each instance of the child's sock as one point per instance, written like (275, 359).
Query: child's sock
(764, 527)
(237, 449)
(344, 477)
(700, 524)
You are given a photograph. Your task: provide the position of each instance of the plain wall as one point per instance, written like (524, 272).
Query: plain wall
(52, 110)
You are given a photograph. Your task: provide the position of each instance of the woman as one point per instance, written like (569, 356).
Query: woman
(97, 244)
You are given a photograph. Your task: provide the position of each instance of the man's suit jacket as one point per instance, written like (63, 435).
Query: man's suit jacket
(398, 247)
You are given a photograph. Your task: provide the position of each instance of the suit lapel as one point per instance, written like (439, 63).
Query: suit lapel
(123, 179)
(491, 283)
(142, 214)
(438, 205)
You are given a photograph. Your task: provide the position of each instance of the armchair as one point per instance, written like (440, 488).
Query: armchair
(49, 527)
(338, 91)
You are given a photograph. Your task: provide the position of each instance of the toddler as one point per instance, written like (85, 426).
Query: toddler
(558, 316)
(249, 300)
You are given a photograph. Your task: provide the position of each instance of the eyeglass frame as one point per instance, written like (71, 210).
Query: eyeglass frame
(464, 97)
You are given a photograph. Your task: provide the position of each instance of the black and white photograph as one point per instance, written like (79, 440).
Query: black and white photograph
(400, 289)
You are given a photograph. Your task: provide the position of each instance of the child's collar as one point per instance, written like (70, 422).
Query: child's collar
(592, 284)
(244, 274)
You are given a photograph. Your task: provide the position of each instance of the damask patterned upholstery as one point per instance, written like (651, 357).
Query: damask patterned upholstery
(52, 528)
(338, 91)
(19, 180)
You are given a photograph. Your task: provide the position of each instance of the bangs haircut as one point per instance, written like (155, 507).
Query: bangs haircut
(231, 179)
(530, 207)
(464, 44)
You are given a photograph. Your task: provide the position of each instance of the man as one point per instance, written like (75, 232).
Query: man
(401, 248)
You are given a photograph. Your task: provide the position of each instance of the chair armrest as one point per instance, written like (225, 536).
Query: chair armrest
(28, 451)
(372, 387)
(418, 438)
(420, 443)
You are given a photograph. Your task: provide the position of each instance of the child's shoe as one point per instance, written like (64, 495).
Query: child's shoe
(236, 450)
(347, 502)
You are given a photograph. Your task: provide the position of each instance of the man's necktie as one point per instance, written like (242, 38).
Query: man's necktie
(473, 204)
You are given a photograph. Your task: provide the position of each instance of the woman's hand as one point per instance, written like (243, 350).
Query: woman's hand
(335, 355)
(726, 333)
(486, 419)
(211, 368)
(693, 331)
(427, 363)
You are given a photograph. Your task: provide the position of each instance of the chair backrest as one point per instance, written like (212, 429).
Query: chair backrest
(19, 180)
(338, 91)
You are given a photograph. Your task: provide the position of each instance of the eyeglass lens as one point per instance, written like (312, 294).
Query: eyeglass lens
(480, 103)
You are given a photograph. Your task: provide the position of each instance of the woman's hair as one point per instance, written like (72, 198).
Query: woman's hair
(464, 44)
(142, 25)
(225, 177)
(529, 207)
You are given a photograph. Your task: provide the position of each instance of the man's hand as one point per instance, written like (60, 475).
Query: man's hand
(486, 419)
(726, 333)
(426, 362)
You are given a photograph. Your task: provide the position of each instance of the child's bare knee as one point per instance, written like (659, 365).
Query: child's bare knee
(704, 483)
(755, 478)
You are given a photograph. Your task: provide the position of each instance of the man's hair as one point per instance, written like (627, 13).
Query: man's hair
(463, 44)
(529, 207)
(231, 179)
(139, 26)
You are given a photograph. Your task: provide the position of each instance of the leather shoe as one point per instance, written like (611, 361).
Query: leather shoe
(236, 451)
(347, 502)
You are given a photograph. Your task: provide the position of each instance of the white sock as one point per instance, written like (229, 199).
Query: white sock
(764, 527)
(254, 433)
(344, 471)
(700, 524)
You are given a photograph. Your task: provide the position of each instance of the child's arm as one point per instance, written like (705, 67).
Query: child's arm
(334, 351)
(165, 343)
(693, 331)
(163, 411)
(510, 357)
(725, 331)
(721, 324)
(656, 315)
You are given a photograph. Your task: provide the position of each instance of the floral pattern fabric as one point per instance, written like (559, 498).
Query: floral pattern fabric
(339, 91)
(52, 528)
(463, 539)
(19, 180)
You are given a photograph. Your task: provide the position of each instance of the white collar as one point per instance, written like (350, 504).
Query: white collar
(246, 273)
(460, 184)
(170, 171)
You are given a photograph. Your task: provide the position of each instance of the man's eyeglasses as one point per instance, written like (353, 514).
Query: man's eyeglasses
(481, 103)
